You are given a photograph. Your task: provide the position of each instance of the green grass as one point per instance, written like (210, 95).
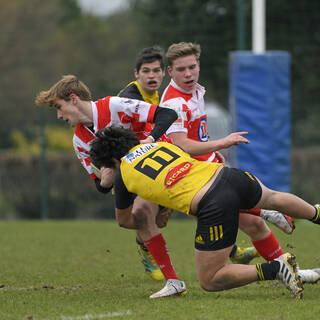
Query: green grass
(71, 270)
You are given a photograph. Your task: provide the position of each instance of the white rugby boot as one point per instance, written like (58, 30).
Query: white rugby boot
(173, 287)
(282, 221)
(309, 275)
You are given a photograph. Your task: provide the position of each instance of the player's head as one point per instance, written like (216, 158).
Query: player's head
(182, 49)
(148, 55)
(184, 64)
(111, 143)
(149, 70)
(62, 90)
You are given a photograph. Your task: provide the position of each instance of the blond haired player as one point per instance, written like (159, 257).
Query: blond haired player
(189, 132)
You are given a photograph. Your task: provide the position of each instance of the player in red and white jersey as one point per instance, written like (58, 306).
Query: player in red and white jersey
(73, 103)
(189, 132)
(72, 100)
(127, 113)
(193, 119)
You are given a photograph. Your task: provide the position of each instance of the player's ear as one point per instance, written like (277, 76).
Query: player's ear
(136, 73)
(74, 98)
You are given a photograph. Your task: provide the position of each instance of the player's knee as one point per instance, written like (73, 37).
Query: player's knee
(209, 286)
(210, 282)
(254, 226)
(258, 224)
(140, 217)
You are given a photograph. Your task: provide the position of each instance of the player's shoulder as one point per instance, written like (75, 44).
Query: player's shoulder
(131, 91)
(172, 95)
(82, 135)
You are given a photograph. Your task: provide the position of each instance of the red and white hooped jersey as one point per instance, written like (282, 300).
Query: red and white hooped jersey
(113, 111)
(193, 117)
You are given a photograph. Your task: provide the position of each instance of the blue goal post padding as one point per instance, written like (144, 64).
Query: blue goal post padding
(259, 99)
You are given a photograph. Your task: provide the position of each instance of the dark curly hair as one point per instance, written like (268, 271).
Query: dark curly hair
(111, 142)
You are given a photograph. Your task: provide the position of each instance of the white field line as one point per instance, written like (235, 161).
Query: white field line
(95, 316)
(98, 316)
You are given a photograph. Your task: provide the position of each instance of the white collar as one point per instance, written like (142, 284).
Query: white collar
(197, 87)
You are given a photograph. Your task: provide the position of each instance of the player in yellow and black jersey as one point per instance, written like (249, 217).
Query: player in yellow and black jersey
(149, 73)
(160, 172)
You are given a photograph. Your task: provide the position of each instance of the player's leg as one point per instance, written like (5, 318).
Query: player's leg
(261, 236)
(144, 213)
(218, 218)
(281, 221)
(150, 266)
(265, 243)
(215, 275)
(244, 255)
(294, 206)
(268, 246)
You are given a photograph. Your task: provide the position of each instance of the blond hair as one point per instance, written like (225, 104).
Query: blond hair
(62, 89)
(182, 49)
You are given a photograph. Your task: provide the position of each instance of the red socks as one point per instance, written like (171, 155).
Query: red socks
(158, 249)
(255, 212)
(269, 247)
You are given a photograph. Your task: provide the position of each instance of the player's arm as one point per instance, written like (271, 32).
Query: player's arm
(197, 148)
(104, 178)
(162, 119)
(82, 153)
(130, 110)
(123, 201)
(101, 189)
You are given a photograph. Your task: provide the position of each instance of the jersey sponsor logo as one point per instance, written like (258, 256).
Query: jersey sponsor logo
(176, 174)
(202, 130)
(199, 239)
(139, 152)
(135, 103)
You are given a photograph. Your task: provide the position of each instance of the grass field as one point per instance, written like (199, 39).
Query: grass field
(74, 270)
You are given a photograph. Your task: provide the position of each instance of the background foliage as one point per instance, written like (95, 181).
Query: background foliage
(101, 51)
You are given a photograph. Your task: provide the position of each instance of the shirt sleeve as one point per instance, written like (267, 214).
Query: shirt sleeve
(163, 118)
(125, 110)
(82, 152)
(123, 198)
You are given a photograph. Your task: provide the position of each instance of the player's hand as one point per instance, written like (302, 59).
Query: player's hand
(219, 157)
(107, 177)
(235, 139)
(147, 140)
(163, 217)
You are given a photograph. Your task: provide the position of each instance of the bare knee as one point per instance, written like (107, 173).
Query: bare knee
(212, 281)
(140, 216)
(253, 226)
(212, 284)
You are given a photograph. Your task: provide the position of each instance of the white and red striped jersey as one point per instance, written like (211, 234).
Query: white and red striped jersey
(193, 118)
(126, 113)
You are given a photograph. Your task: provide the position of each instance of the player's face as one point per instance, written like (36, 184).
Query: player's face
(67, 111)
(185, 72)
(150, 76)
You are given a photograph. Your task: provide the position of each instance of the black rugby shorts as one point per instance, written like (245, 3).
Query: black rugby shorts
(218, 210)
